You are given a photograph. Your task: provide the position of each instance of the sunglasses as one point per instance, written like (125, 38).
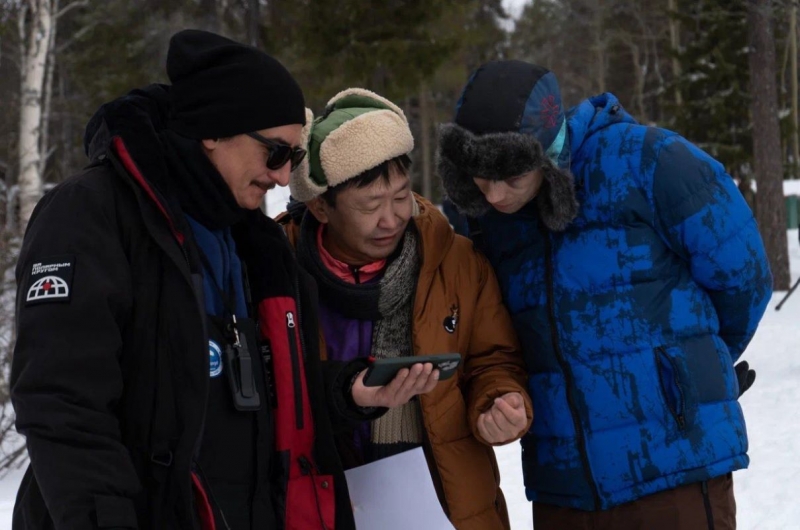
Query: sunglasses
(280, 153)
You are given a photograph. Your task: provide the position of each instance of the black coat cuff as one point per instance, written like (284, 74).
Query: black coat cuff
(342, 393)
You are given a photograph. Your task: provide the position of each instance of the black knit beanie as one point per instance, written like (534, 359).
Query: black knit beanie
(221, 88)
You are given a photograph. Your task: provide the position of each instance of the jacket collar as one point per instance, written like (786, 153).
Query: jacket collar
(592, 115)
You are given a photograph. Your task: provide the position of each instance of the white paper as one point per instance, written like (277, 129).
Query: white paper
(396, 493)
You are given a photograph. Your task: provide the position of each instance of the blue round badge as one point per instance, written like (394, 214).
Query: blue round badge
(215, 361)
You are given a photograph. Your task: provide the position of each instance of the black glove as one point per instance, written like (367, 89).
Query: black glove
(745, 376)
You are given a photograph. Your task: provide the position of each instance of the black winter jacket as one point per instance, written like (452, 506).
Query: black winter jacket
(111, 368)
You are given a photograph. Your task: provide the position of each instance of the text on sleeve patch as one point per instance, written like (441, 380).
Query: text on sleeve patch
(50, 280)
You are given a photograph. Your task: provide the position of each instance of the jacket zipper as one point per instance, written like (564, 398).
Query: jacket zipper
(299, 311)
(298, 387)
(677, 410)
(305, 464)
(565, 367)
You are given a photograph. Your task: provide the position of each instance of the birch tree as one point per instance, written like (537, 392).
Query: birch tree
(37, 31)
(36, 24)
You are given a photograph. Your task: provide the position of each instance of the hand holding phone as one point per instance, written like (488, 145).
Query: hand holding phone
(409, 382)
(382, 371)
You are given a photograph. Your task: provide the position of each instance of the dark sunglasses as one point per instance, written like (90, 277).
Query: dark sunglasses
(280, 153)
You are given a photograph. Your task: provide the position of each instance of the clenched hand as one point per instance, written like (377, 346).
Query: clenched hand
(419, 379)
(505, 420)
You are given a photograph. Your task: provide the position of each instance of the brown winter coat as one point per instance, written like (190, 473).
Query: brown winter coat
(456, 280)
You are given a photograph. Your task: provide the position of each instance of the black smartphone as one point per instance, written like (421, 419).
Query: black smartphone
(382, 371)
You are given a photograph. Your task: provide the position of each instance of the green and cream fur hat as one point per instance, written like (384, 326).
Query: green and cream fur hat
(358, 131)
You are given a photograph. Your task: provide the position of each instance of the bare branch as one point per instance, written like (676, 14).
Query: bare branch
(12, 460)
(78, 35)
(70, 7)
(49, 154)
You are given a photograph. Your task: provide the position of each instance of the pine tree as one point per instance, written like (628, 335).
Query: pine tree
(714, 81)
(389, 47)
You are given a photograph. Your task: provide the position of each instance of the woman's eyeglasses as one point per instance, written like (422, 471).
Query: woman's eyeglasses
(280, 153)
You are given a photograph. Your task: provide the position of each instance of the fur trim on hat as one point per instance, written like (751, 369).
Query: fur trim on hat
(355, 146)
(366, 93)
(463, 156)
(556, 202)
(301, 186)
(363, 143)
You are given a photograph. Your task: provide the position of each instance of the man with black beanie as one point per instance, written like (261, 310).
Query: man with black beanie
(167, 372)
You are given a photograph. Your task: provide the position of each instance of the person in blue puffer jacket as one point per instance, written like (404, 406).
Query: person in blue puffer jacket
(636, 277)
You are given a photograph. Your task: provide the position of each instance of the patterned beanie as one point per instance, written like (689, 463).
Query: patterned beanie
(509, 121)
(358, 131)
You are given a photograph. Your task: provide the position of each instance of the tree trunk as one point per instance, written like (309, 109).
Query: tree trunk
(379, 79)
(640, 73)
(425, 140)
(793, 84)
(770, 204)
(784, 92)
(67, 120)
(675, 44)
(47, 96)
(253, 22)
(600, 48)
(209, 20)
(5, 193)
(36, 39)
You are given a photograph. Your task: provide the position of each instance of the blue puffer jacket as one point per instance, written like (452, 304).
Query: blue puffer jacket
(631, 319)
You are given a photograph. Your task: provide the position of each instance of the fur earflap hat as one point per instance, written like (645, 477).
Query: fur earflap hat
(358, 131)
(509, 121)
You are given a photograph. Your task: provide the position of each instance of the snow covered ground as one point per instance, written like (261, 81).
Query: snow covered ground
(767, 493)
(791, 187)
(8, 492)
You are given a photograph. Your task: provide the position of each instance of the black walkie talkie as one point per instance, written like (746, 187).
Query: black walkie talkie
(239, 364)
